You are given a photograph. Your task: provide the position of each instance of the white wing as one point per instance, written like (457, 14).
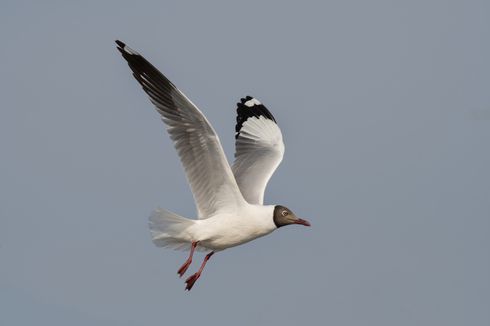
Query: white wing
(258, 149)
(208, 172)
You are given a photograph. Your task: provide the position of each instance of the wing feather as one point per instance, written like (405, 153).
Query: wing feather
(211, 179)
(259, 149)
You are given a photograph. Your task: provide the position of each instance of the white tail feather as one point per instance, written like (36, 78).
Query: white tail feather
(170, 230)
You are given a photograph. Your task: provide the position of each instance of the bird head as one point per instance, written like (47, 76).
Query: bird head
(284, 216)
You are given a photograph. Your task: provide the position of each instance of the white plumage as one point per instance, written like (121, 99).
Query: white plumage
(259, 150)
(229, 201)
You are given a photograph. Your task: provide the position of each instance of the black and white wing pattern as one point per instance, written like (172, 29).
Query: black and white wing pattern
(258, 149)
(205, 164)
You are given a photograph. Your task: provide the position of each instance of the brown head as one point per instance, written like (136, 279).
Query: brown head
(283, 216)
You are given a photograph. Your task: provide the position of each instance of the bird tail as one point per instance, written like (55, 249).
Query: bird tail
(170, 230)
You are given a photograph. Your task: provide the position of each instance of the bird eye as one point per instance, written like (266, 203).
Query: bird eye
(285, 213)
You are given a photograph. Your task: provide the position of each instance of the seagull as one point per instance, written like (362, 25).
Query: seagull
(229, 200)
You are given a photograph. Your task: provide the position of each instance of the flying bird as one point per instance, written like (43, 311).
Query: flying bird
(229, 200)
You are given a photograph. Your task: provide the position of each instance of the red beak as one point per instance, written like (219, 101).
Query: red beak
(302, 222)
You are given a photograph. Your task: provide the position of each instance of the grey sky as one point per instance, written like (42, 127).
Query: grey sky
(385, 111)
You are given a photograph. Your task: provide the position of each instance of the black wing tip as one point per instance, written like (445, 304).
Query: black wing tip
(125, 50)
(250, 107)
(120, 43)
(245, 99)
(248, 102)
(120, 46)
(154, 83)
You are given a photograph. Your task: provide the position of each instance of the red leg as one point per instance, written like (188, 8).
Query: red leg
(193, 278)
(188, 262)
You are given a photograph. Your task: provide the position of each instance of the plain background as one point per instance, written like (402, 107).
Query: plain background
(385, 111)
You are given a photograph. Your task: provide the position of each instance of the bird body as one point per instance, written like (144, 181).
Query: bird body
(229, 230)
(218, 232)
(229, 200)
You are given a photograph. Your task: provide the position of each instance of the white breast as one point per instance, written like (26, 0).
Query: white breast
(228, 230)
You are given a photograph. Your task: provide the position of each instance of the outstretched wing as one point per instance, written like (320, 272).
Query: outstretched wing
(208, 172)
(258, 149)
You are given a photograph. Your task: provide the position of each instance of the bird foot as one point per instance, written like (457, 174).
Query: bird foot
(184, 268)
(191, 280)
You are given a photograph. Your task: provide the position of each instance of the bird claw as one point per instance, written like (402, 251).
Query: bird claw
(184, 268)
(191, 280)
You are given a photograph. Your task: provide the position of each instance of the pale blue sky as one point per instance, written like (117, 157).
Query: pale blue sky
(385, 111)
